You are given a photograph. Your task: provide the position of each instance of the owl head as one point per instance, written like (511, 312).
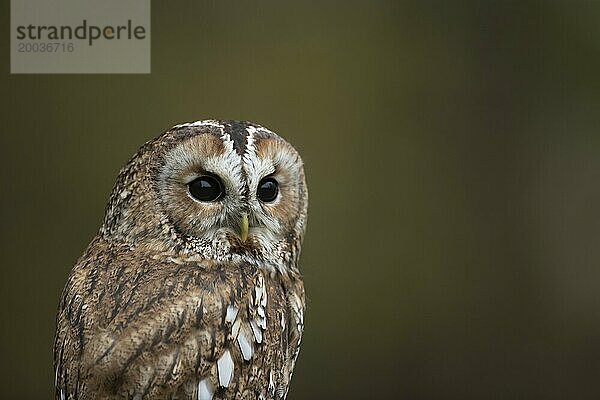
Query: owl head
(222, 190)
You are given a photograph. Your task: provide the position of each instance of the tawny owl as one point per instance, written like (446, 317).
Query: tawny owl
(191, 288)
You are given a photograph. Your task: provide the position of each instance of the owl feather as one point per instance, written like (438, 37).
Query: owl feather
(172, 300)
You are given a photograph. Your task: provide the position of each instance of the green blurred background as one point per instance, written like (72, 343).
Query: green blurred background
(453, 161)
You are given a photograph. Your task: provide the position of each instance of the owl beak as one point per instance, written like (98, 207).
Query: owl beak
(244, 227)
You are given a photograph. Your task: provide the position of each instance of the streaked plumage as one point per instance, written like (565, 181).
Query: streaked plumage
(168, 300)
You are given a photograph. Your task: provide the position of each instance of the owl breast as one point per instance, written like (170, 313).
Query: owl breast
(176, 328)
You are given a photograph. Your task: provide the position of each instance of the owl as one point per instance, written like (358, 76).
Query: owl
(191, 288)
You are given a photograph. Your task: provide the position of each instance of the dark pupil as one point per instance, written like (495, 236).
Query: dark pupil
(267, 190)
(206, 188)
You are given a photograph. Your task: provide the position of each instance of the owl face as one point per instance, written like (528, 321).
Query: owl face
(224, 190)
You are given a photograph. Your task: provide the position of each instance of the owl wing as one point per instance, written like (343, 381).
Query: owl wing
(156, 327)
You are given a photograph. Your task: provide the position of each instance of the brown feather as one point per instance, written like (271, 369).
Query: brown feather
(158, 308)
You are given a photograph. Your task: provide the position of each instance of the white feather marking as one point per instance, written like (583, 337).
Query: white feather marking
(207, 122)
(225, 366)
(231, 313)
(263, 300)
(62, 393)
(258, 336)
(206, 389)
(281, 392)
(258, 291)
(271, 383)
(245, 345)
(296, 304)
(262, 322)
(235, 329)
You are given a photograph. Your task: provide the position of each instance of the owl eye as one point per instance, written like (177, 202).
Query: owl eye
(267, 190)
(206, 188)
